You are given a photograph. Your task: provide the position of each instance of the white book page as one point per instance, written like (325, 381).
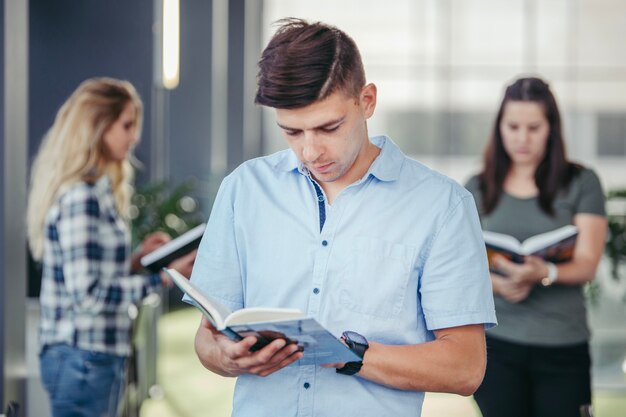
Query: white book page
(262, 315)
(502, 241)
(174, 244)
(544, 240)
(215, 311)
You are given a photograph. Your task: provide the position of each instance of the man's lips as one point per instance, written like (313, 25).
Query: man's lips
(322, 168)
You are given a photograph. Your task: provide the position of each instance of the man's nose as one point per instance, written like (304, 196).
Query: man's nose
(312, 147)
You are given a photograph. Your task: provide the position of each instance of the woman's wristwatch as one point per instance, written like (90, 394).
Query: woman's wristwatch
(358, 344)
(553, 274)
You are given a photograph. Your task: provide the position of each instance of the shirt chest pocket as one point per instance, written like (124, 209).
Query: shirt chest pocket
(375, 279)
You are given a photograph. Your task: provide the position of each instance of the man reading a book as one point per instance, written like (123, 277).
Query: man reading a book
(346, 228)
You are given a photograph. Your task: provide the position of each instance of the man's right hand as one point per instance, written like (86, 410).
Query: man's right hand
(223, 356)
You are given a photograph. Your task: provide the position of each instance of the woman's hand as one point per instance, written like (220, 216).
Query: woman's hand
(517, 280)
(150, 243)
(510, 290)
(184, 265)
(531, 272)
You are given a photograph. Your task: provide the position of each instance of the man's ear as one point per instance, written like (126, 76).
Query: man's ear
(368, 100)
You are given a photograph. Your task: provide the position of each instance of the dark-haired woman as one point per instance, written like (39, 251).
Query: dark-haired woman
(538, 356)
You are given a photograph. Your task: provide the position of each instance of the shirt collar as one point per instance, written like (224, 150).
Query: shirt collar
(103, 184)
(103, 181)
(386, 167)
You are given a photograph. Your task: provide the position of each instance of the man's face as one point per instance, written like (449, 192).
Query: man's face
(330, 136)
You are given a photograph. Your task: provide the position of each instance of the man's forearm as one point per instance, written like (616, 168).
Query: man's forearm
(454, 362)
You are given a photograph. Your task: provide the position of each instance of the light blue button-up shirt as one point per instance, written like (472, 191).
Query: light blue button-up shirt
(400, 255)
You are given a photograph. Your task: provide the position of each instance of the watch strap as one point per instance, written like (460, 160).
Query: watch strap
(553, 274)
(351, 368)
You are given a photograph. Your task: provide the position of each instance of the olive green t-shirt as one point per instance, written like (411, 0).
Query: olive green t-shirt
(555, 315)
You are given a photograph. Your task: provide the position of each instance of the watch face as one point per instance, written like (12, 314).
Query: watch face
(354, 337)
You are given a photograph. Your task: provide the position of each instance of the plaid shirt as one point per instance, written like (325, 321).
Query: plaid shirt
(87, 287)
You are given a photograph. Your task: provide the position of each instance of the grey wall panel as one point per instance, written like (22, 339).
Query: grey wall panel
(190, 103)
(13, 237)
(74, 40)
(2, 202)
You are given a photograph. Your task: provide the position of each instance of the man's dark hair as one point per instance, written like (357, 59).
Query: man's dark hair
(306, 62)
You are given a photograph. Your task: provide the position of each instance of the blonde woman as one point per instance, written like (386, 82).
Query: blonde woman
(79, 194)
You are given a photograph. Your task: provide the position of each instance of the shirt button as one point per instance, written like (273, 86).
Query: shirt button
(307, 385)
(316, 290)
(324, 243)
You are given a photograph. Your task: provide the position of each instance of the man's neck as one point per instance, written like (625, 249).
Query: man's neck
(362, 165)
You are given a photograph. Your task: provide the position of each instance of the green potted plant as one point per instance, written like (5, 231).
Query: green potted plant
(159, 206)
(616, 242)
(614, 250)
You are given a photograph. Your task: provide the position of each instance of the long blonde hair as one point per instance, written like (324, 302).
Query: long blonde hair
(73, 151)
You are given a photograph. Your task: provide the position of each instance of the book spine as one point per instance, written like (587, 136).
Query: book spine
(231, 334)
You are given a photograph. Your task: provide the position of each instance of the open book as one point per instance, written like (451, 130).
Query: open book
(173, 249)
(267, 324)
(554, 246)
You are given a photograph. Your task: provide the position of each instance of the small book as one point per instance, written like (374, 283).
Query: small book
(554, 246)
(175, 248)
(318, 344)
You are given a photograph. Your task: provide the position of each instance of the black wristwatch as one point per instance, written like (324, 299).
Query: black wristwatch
(358, 344)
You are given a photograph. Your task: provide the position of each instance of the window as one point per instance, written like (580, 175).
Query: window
(441, 69)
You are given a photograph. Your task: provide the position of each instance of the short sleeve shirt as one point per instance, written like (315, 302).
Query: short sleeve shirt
(555, 315)
(400, 255)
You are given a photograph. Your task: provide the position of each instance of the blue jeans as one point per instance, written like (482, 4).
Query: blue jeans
(80, 382)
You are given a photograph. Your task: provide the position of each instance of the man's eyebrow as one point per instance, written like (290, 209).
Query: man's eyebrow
(323, 126)
(285, 127)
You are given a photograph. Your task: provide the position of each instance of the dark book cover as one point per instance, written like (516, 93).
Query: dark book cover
(173, 249)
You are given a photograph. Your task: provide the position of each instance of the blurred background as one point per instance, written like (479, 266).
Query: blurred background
(440, 66)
